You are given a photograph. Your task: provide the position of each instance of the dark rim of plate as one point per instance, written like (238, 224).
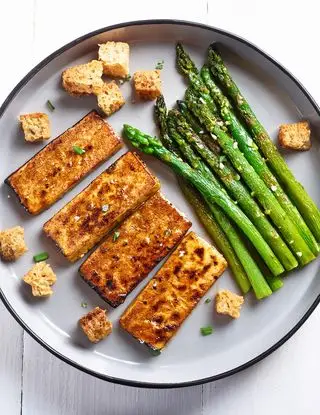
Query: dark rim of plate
(120, 381)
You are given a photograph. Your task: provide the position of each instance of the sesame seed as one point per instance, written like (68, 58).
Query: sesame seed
(291, 242)
(299, 254)
(76, 218)
(235, 145)
(105, 208)
(273, 188)
(221, 166)
(181, 253)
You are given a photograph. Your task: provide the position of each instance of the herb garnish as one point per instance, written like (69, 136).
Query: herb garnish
(116, 236)
(50, 105)
(78, 150)
(206, 331)
(160, 64)
(42, 256)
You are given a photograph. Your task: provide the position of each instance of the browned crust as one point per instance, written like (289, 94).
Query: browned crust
(31, 182)
(168, 299)
(146, 237)
(81, 224)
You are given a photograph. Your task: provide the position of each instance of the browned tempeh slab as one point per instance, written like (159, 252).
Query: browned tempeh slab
(159, 310)
(56, 168)
(145, 238)
(111, 197)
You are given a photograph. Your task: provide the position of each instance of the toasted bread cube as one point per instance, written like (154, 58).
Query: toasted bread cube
(96, 325)
(36, 126)
(115, 58)
(229, 303)
(41, 277)
(110, 99)
(147, 84)
(12, 244)
(295, 136)
(83, 79)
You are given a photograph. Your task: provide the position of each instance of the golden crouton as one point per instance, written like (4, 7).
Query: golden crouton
(295, 136)
(36, 126)
(96, 325)
(40, 277)
(83, 79)
(111, 99)
(12, 244)
(115, 58)
(228, 303)
(147, 84)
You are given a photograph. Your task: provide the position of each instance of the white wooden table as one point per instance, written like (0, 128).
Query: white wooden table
(33, 382)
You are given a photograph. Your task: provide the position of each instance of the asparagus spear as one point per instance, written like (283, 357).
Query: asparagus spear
(261, 191)
(257, 280)
(232, 182)
(211, 193)
(252, 154)
(187, 68)
(292, 187)
(228, 241)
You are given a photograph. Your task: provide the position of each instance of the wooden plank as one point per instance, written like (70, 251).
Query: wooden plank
(11, 335)
(16, 24)
(284, 382)
(52, 387)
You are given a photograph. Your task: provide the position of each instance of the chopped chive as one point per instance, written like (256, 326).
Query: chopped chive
(84, 305)
(78, 150)
(50, 105)
(42, 256)
(160, 64)
(125, 79)
(116, 236)
(155, 352)
(206, 331)
(208, 300)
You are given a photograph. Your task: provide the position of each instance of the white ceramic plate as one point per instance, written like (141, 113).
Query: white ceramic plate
(189, 358)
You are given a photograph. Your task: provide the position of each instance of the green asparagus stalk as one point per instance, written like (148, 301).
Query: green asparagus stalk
(254, 182)
(187, 68)
(212, 217)
(211, 193)
(252, 154)
(197, 127)
(257, 280)
(231, 181)
(292, 187)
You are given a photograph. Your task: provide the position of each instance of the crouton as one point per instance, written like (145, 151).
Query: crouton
(115, 59)
(295, 136)
(36, 126)
(110, 99)
(96, 325)
(228, 303)
(83, 79)
(12, 244)
(41, 277)
(147, 84)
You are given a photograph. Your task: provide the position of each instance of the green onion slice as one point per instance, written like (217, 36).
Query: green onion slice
(206, 331)
(50, 105)
(42, 256)
(78, 150)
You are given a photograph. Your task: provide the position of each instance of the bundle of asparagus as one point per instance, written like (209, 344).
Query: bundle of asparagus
(216, 170)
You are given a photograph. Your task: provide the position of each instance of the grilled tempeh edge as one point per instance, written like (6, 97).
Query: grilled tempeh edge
(55, 169)
(159, 310)
(94, 212)
(145, 238)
